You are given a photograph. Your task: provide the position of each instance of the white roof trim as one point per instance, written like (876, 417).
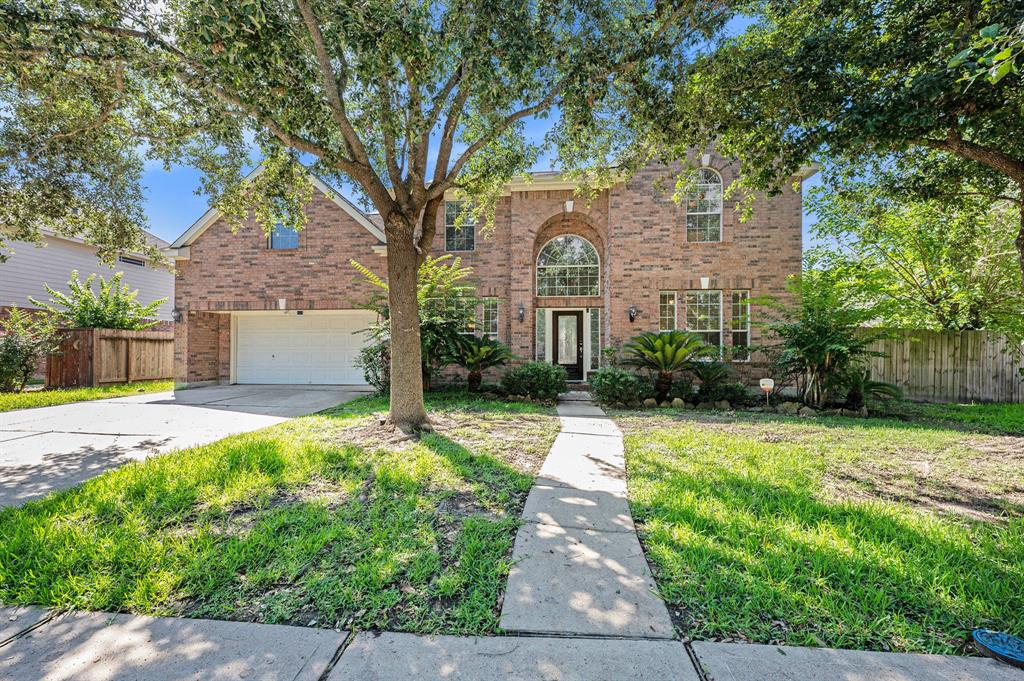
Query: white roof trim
(210, 216)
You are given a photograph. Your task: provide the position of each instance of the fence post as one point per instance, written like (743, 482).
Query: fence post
(128, 360)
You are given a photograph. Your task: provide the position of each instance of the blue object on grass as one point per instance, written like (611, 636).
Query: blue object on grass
(1000, 645)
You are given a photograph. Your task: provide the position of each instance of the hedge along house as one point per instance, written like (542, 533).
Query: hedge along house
(561, 278)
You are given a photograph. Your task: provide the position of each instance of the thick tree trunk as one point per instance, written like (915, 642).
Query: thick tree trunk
(407, 410)
(1020, 236)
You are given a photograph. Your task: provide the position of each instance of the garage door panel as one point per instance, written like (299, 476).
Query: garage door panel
(301, 349)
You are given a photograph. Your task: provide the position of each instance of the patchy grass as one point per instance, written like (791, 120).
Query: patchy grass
(851, 533)
(984, 417)
(326, 520)
(49, 398)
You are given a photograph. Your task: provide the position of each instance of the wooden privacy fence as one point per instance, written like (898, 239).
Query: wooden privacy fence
(950, 366)
(91, 357)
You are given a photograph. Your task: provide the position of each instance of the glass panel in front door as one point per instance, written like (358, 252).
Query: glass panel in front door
(567, 341)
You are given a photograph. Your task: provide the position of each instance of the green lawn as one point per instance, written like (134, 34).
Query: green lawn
(991, 418)
(871, 534)
(49, 398)
(325, 520)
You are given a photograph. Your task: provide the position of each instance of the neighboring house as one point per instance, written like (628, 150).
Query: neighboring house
(29, 267)
(562, 279)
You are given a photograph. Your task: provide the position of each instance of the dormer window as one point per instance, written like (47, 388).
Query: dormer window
(704, 208)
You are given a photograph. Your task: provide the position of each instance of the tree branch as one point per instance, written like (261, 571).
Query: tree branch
(329, 81)
(996, 159)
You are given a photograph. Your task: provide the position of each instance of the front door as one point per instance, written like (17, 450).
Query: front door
(567, 341)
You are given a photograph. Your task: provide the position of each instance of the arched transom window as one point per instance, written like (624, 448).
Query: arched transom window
(568, 265)
(704, 208)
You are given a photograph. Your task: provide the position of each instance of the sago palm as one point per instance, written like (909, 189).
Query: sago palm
(476, 355)
(665, 353)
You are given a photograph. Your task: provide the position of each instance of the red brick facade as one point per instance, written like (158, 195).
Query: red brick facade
(637, 229)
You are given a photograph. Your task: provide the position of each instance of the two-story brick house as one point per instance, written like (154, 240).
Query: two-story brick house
(562, 278)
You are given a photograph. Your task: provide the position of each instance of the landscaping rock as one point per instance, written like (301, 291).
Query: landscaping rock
(849, 412)
(723, 405)
(706, 405)
(864, 411)
(650, 402)
(832, 412)
(679, 402)
(790, 408)
(807, 411)
(689, 405)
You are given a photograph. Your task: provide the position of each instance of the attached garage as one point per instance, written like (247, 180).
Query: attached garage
(313, 347)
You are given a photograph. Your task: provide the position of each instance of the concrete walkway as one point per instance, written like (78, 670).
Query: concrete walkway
(52, 448)
(579, 568)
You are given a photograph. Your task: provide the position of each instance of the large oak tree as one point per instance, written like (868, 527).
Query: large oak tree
(860, 80)
(403, 100)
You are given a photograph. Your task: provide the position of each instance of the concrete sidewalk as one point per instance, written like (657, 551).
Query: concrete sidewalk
(36, 645)
(579, 567)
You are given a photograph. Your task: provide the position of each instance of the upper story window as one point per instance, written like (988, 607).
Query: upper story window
(704, 208)
(128, 260)
(459, 235)
(283, 238)
(568, 265)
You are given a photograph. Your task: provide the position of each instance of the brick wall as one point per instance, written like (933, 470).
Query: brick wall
(639, 232)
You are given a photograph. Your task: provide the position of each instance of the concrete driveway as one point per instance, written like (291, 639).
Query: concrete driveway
(52, 448)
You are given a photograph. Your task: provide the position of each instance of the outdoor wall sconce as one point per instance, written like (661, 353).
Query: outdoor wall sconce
(568, 205)
(632, 313)
(522, 312)
(705, 159)
(705, 282)
(176, 315)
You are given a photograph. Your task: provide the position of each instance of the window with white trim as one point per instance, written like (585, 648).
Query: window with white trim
(459, 234)
(489, 318)
(283, 238)
(704, 315)
(739, 326)
(568, 265)
(704, 207)
(667, 311)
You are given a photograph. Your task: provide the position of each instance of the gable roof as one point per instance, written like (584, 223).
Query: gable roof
(210, 216)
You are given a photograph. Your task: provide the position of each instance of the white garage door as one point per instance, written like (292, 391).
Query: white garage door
(312, 348)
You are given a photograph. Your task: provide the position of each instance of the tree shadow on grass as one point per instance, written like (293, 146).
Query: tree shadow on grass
(775, 564)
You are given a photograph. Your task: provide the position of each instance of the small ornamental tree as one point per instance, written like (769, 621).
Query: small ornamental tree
(821, 335)
(664, 354)
(113, 306)
(403, 100)
(25, 339)
(447, 309)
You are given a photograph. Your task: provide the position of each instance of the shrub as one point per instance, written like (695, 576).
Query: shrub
(734, 392)
(375, 361)
(24, 340)
(538, 380)
(713, 376)
(859, 387)
(612, 385)
(476, 355)
(665, 353)
(113, 306)
(682, 388)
